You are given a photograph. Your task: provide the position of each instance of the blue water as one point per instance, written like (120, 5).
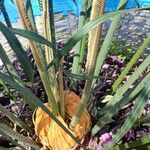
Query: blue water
(64, 6)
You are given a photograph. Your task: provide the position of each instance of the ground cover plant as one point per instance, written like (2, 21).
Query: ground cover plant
(72, 99)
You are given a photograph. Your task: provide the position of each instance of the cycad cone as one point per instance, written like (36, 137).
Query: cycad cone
(51, 134)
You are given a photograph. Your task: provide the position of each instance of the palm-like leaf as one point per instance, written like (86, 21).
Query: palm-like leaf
(127, 85)
(106, 44)
(19, 51)
(85, 29)
(34, 101)
(131, 63)
(7, 63)
(16, 120)
(138, 145)
(10, 139)
(130, 95)
(14, 135)
(140, 102)
(38, 56)
(78, 52)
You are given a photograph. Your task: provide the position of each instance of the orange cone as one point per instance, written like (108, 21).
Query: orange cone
(51, 135)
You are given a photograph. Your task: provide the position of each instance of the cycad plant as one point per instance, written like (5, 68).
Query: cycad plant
(64, 121)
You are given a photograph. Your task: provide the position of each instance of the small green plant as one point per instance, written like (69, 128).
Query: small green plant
(64, 121)
(122, 50)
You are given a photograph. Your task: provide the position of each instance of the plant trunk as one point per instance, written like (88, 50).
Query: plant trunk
(93, 46)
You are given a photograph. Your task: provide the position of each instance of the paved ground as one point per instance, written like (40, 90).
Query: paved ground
(132, 29)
